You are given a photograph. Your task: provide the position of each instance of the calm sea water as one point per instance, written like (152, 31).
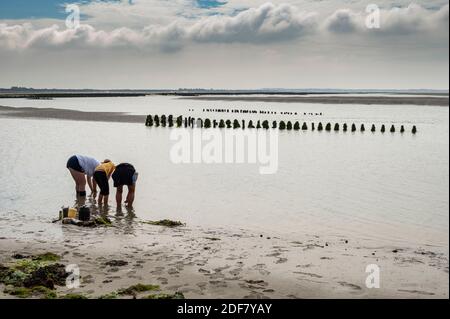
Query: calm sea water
(363, 185)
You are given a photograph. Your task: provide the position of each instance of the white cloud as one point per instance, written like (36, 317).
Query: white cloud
(265, 24)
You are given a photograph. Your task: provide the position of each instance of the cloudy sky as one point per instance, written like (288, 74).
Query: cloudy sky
(224, 44)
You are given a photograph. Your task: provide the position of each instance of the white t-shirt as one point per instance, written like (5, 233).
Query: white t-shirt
(88, 164)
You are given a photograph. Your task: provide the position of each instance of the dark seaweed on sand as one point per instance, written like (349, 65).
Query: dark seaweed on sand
(164, 222)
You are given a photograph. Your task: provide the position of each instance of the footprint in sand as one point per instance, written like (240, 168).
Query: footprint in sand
(218, 284)
(204, 271)
(418, 292)
(172, 271)
(261, 268)
(349, 285)
(88, 279)
(307, 274)
(202, 285)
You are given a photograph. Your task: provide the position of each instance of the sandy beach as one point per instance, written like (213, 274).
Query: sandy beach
(60, 114)
(221, 263)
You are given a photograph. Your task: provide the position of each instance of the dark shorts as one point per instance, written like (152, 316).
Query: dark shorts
(74, 164)
(102, 181)
(124, 175)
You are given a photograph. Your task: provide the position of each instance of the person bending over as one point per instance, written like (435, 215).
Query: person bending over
(125, 174)
(101, 176)
(82, 168)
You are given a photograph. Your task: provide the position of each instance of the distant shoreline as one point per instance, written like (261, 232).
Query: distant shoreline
(369, 100)
(61, 114)
(60, 93)
(431, 99)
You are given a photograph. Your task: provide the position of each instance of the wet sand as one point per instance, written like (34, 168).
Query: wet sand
(61, 114)
(227, 263)
(338, 99)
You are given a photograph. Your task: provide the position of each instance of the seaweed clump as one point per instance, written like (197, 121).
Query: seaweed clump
(34, 276)
(165, 222)
(22, 292)
(112, 295)
(177, 295)
(95, 222)
(136, 289)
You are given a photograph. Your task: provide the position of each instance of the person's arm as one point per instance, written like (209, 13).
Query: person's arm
(89, 182)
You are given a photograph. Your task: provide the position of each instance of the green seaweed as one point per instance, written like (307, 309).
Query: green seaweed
(23, 292)
(135, 289)
(20, 292)
(164, 222)
(27, 265)
(47, 257)
(13, 277)
(112, 295)
(44, 292)
(177, 295)
(103, 220)
(33, 275)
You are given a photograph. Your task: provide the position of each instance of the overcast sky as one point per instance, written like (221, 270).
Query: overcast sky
(224, 44)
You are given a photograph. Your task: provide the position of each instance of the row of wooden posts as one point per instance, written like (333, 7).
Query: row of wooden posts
(170, 121)
(256, 112)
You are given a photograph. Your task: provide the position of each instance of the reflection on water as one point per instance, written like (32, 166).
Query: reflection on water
(366, 185)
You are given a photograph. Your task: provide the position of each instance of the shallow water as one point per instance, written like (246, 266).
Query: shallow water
(391, 187)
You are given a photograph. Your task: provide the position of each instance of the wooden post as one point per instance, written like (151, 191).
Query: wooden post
(289, 125)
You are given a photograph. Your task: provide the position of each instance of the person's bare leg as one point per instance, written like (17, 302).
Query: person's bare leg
(105, 200)
(100, 199)
(82, 185)
(80, 180)
(119, 192)
(130, 195)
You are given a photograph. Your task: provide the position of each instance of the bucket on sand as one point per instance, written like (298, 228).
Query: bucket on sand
(64, 212)
(72, 213)
(84, 214)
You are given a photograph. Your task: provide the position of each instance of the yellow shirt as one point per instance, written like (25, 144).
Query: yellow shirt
(108, 168)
